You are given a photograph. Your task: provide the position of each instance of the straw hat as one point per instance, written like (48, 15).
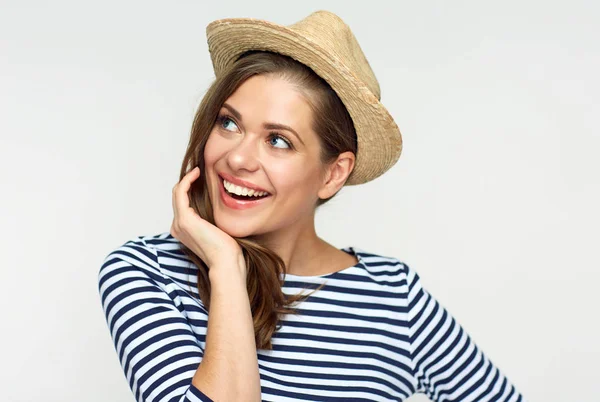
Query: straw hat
(323, 42)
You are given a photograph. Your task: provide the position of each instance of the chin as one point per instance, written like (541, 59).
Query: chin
(236, 229)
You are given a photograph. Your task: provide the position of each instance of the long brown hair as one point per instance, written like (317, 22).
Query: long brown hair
(331, 122)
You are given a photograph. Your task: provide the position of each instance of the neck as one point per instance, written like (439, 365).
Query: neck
(298, 246)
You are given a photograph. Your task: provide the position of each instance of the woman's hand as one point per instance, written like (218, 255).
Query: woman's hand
(211, 244)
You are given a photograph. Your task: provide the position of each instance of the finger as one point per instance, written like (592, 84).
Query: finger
(181, 199)
(175, 192)
(174, 202)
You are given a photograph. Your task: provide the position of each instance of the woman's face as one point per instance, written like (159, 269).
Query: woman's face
(247, 149)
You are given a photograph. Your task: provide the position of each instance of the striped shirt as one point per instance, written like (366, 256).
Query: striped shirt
(372, 333)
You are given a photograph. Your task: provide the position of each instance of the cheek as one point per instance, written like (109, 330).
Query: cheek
(298, 180)
(215, 150)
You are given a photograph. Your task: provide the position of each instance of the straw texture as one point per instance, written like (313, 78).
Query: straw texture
(323, 42)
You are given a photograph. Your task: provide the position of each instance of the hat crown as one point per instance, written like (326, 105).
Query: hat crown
(335, 37)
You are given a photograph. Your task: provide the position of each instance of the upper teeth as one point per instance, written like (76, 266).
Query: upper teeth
(232, 188)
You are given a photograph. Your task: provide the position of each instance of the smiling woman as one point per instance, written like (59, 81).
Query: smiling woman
(248, 154)
(217, 308)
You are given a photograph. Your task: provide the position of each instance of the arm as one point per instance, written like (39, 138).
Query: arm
(229, 370)
(157, 349)
(448, 365)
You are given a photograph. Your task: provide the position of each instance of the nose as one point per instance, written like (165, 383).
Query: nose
(244, 155)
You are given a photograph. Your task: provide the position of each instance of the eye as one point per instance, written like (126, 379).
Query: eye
(222, 120)
(279, 141)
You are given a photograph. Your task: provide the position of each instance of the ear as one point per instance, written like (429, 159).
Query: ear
(336, 175)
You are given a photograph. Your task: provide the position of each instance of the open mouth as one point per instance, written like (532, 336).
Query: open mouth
(248, 197)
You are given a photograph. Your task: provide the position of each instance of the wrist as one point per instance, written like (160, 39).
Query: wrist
(228, 270)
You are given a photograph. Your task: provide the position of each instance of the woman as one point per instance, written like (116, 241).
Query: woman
(292, 117)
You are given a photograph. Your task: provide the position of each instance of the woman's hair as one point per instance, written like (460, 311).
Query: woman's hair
(336, 133)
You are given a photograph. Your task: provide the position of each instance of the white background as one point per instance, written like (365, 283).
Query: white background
(494, 201)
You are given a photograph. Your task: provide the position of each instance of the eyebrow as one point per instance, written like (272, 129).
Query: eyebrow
(267, 126)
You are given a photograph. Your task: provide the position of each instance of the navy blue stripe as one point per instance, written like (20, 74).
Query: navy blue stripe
(356, 315)
(346, 328)
(323, 387)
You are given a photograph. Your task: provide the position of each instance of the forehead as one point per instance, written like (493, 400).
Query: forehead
(271, 99)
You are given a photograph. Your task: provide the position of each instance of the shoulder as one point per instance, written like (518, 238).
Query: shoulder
(157, 255)
(384, 270)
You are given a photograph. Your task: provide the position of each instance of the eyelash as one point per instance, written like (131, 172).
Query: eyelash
(222, 117)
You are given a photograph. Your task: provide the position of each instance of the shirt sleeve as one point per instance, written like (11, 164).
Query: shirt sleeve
(448, 365)
(156, 347)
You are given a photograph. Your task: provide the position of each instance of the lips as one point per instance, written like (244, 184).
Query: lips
(241, 183)
(238, 204)
(242, 193)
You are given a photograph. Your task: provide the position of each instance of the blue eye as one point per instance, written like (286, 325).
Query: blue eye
(277, 141)
(223, 119)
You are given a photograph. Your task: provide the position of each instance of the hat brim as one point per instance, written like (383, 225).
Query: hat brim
(378, 136)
